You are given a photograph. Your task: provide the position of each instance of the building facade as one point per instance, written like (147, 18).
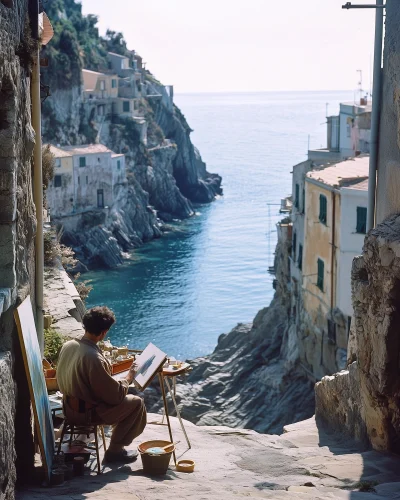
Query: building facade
(335, 223)
(348, 134)
(85, 178)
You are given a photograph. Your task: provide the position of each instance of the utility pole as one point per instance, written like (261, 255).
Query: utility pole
(376, 104)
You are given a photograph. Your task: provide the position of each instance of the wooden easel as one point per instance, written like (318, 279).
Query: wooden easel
(163, 377)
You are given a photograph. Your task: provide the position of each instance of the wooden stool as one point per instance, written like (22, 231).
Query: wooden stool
(70, 429)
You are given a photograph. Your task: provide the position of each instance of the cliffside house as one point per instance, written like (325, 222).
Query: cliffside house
(109, 96)
(334, 230)
(127, 69)
(85, 178)
(348, 134)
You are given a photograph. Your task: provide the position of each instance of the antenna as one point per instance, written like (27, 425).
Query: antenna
(360, 89)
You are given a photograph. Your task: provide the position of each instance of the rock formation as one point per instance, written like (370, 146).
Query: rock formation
(364, 400)
(253, 379)
(17, 230)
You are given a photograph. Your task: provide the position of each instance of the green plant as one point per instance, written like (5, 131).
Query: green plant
(48, 164)
(53, 341)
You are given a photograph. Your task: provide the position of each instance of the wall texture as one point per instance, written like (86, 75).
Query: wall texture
(365, 399)
(388, 201)
(17, 230)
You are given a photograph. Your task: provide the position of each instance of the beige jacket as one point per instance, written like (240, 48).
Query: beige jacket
(83, 372)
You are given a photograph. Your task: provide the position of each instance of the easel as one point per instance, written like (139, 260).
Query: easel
(163, 376)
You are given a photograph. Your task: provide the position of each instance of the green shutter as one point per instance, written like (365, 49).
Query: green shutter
(297, 195)
(361, 220)
(126, 107)
(118, 164)
(114, 84)
(320, 279)
(294, 245)
(304, 202)
(300, 258)
(322, 208)
(82, 161)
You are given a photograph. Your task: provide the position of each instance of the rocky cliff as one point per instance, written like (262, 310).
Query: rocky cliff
(253, 379)
(165, 173)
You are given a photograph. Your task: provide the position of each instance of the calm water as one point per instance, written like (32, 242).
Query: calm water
(182, 291)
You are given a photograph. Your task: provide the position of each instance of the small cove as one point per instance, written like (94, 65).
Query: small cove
(211, 271)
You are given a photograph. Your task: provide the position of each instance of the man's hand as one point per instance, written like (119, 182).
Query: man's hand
(131, 374)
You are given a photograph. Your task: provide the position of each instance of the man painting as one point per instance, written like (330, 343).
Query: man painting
(91, 395)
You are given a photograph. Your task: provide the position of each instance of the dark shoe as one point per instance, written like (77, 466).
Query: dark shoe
(124, 456)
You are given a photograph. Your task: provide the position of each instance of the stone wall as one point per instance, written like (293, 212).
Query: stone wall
(365, 399)
(388, 201)
(17, 230)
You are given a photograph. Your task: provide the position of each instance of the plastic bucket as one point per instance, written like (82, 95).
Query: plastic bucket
(155, 464)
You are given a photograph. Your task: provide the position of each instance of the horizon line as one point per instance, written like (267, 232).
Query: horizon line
(256, 91)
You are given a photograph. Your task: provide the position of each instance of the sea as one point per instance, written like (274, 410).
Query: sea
(210, 272)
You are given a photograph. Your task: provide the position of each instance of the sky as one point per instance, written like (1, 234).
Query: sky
(247, 45)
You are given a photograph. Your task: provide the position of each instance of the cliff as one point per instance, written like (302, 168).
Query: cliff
(165, 171)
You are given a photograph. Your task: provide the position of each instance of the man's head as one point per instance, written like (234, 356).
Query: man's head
(97, 321)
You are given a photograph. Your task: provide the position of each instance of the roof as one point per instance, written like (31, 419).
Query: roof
(344, 174)
(58, 152)
(116, 155)
(85, 149)
(359, 186)
(93, 72)
(118, 55)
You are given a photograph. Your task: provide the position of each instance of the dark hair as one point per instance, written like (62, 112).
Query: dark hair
(98, 319)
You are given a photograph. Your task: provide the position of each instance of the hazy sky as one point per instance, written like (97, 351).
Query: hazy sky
(247, 45)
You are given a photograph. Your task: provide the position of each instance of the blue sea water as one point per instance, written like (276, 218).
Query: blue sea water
(211, 272)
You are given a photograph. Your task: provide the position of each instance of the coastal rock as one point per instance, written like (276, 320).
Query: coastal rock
(253, 379)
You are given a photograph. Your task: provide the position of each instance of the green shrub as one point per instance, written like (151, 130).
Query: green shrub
(53, 341)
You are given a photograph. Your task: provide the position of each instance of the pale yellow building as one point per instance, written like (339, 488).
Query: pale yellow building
(334, 229)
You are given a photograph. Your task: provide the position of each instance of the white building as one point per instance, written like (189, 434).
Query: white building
(353, 217)
(348, 134)
(86, 178)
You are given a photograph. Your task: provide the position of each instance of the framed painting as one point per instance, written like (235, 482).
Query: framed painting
(37, 385)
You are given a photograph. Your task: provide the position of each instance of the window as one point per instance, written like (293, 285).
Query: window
(100, 198)
(361, 220)
(125, 107)
(87, 180)
(294, 245)
(82, 161)
(320, 278)
(79, 180)
(119, 164)
(322, 208)
(58, 162)
(331, 331)
(300, 257)
(297, 195)
(57, 181)
(114, 83)
(102, 85)
(303, 210)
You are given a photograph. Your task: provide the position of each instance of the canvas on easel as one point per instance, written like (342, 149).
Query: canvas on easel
(37, 386)
(148, 363)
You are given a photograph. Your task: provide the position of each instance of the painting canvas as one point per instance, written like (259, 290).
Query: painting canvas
(37, 385)
(148, 362)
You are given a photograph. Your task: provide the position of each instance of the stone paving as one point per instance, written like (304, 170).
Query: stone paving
(302, 463)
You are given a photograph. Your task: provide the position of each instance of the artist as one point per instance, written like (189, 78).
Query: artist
(90, 393)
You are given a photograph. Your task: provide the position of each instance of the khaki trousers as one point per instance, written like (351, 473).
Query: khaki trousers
(128, 419)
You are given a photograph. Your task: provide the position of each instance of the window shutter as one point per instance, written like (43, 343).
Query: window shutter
(297, 195)
(300, 259)
(304, 201)
(320, 279)
(322, 208)
(82, 161)
(361, 220)
(294, 245)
